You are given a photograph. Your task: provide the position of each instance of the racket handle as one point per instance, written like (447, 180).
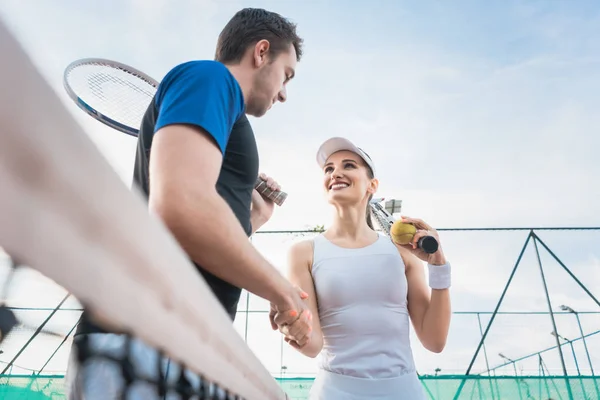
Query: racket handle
(428, 244)
(277, 196)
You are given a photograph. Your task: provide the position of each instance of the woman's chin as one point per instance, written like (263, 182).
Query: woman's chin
(339, 197)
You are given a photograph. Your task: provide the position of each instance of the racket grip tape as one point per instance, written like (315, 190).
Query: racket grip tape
(277, 196)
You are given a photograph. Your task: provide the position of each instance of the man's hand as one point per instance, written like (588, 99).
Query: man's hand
(262, 209)
(292, 317)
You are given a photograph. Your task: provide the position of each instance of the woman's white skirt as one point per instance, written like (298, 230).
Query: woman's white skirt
(332, 386)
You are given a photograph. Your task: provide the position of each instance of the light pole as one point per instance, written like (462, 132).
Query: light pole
(572, 349)
(510, 361)
(587, 353)
(574, 356)
(281, 366)
(437, 383)
(515, 368)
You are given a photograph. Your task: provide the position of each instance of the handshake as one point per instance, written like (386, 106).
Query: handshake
(293, 318)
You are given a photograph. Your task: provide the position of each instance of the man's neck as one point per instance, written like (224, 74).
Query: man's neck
(243, 78)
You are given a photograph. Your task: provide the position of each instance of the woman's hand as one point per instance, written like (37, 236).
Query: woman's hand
(423, 229)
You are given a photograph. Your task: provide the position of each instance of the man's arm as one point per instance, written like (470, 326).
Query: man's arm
(184, 168)
(256, 223)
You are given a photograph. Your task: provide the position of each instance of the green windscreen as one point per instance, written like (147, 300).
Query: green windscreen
(13, 387)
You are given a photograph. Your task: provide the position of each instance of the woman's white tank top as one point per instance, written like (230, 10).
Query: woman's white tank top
(362, 300)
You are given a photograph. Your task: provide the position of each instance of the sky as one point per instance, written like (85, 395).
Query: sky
(477, 114)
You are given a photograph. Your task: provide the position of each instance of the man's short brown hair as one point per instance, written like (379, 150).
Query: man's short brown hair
(251, 25)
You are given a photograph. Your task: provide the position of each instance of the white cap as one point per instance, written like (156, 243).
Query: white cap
(336, 144)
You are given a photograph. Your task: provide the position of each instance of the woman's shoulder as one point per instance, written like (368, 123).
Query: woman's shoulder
(301, 250)
(302, 245)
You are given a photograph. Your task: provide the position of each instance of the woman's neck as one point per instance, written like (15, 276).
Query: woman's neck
(350, 223)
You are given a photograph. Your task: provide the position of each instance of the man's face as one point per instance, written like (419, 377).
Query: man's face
(270, 82)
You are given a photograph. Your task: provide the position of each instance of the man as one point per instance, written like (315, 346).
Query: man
(197, 163)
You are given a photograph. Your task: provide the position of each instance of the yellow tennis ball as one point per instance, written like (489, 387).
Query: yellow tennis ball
(402, 233)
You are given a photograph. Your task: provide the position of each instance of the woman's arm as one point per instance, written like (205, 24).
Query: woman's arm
(429, 309)
(300, 258)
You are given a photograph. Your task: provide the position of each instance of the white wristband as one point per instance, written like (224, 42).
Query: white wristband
(439, 276)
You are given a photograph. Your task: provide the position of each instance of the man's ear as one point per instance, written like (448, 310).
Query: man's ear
(261, 53)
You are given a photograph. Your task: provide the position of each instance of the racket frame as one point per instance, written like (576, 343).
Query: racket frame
(92, 111)
(384, 218)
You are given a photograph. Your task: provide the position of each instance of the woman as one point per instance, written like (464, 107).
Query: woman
(363, 289)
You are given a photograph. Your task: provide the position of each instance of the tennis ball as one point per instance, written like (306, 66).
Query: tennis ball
(402, 233)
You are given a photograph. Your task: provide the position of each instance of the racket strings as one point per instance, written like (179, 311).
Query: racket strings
(124, 95)
(113, 91)
(99, 78)
(123, 103)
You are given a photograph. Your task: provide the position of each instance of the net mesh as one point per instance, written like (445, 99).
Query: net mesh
(19, 387)
(135, 376)
(530, 388)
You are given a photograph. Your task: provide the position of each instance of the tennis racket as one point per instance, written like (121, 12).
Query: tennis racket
(385, 220)
(118, 95)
